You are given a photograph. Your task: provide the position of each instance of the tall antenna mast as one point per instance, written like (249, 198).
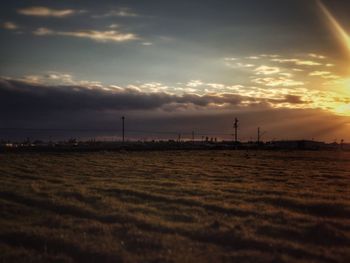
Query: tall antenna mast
(260, 135)
(123, 128)
(235, 125)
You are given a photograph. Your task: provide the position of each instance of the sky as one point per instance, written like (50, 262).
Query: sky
(73, 68)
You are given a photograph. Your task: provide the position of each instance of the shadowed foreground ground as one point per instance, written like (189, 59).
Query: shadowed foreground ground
(175, 207)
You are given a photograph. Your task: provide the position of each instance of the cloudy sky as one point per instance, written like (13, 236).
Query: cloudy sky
(170, 67)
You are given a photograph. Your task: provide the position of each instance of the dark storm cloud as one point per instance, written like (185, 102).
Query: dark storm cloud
(19, 96)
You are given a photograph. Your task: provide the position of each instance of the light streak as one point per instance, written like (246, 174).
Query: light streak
(335, 25)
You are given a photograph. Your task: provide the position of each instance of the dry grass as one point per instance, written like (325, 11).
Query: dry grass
(175, 207)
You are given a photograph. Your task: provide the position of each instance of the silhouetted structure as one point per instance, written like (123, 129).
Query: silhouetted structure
(123, 128)
(179, 137)
(235, 125)
(297, 145)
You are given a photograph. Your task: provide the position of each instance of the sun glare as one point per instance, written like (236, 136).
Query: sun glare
(344, 38)
(343, 107)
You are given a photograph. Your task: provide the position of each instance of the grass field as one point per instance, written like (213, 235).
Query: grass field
(195, 206)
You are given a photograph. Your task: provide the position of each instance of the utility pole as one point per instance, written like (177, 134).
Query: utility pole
(260, 134)
(235, 125)
(123, 128)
